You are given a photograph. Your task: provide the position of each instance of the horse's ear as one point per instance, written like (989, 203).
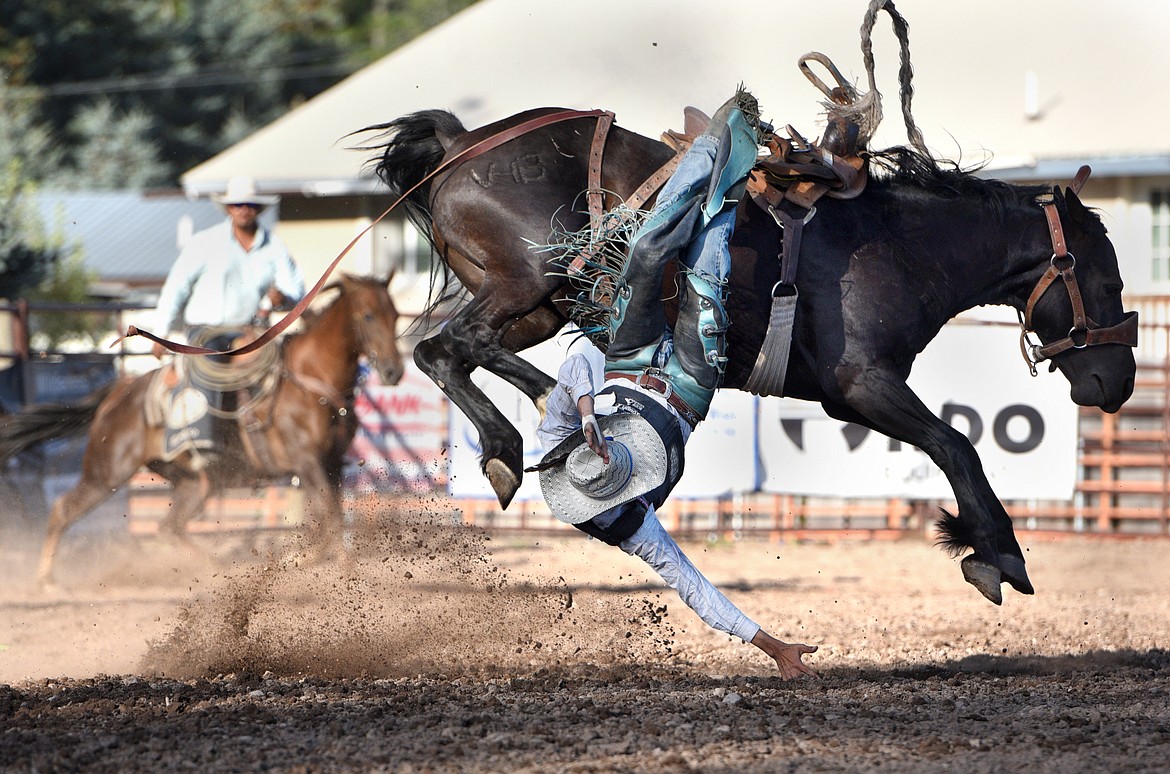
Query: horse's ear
(390, 276)
(1072, 203)
(1072, 199)
(1079, 179)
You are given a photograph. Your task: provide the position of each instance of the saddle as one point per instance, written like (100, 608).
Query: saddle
(786, 183)
(200, 402)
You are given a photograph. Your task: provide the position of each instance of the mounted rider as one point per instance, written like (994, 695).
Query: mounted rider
(227, 278)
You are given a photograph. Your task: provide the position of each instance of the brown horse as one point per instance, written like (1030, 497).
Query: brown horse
(879, 276)
(302, 429)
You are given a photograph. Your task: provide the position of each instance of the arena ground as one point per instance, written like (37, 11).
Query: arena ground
(439, 649)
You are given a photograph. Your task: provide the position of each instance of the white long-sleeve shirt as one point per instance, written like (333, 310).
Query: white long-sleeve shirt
(651, 543)
(215, 281)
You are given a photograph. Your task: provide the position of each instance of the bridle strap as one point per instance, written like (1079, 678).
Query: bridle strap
(595, 192)
(1062, 265)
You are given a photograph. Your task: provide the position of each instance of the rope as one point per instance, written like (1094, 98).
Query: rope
(233, 374)
(905, 71)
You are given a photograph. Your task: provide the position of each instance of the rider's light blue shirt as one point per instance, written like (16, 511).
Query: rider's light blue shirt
(215, 281)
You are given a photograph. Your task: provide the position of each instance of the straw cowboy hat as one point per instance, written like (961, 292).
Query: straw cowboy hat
(578, 485)
(242, 190)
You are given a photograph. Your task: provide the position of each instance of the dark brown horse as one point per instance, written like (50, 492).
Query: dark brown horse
(878, 277)
(303, 429)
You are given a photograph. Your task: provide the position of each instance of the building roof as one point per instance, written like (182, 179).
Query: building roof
(1029, 82)
(125, 237)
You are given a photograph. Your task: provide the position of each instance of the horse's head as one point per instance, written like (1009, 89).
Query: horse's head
(375, 322)
(1075, 308)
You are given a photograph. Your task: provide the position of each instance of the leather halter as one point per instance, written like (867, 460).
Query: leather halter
(1062, 265)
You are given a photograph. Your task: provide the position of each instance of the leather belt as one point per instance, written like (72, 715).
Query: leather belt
(664, 388)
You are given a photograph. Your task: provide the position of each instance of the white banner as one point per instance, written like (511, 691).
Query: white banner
(399, 443)
(1024, 429)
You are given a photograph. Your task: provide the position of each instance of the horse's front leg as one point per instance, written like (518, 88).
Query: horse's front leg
(881, 400)
(501, 446)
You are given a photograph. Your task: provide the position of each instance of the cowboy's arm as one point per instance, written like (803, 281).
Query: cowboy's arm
(176, 291)
(288, 283)
(654, 545)
(175, 294)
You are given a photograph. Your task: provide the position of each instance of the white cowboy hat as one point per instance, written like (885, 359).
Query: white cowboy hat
(577, 485)
(242, 190)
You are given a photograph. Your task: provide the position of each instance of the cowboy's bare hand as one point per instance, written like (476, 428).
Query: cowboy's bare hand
(158, 350)
(787, 656)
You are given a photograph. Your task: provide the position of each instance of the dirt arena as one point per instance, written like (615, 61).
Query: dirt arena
(439, 649)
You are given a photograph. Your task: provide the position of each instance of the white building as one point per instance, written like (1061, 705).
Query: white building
(1033, 89)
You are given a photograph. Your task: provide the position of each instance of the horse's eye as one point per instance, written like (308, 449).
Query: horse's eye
(1113, 289)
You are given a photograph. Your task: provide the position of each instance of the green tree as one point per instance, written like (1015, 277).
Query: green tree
(25, 141)
(26, 256)
(38, 265)
(68, 281)
(115, 149)
(204, 72)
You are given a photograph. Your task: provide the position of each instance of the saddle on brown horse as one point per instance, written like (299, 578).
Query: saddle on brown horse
(200, 402)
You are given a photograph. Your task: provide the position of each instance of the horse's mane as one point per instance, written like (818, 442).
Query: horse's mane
(903, 166)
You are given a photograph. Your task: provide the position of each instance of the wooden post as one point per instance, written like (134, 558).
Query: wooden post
(1106, 492)
(894, 510)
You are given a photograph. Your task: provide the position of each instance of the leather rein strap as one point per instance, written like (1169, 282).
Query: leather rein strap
(483, 146)
(1062, 265)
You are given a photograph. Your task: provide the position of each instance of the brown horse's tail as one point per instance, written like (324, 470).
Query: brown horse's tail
(37, 424)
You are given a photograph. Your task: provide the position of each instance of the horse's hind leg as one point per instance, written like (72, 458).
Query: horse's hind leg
(473, 338)
(68, 509)
(187, 499)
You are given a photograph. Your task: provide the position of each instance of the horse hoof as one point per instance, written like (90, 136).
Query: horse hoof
(504, 482)
(983, 576)
(1014, 573)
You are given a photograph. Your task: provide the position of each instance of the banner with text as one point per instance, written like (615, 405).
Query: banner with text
(399, 445)
(971, 376)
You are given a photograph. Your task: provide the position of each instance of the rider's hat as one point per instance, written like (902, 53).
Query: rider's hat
(242, 190)
(578, 485)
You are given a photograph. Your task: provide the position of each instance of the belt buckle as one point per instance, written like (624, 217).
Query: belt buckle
(654, 373)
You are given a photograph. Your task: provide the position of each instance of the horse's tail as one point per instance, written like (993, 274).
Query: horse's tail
(37, 424)
(409, 149)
